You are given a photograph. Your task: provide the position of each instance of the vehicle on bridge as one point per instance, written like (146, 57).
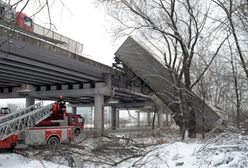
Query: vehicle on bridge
(39, 125)
(11, 19)
(24, 22)
(9, 15)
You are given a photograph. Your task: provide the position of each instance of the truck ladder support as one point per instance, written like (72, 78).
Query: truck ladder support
(20, 120)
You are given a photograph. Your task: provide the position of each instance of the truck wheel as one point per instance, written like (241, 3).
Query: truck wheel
(12, 147)
(53, 141)
(77, 131)
(145, 90)
(137, 82)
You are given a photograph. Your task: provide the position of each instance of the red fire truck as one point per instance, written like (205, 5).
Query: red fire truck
(24, 22)
(39, 125)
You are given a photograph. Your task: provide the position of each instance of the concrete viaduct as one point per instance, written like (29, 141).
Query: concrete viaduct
(39, 67)
(35, 68)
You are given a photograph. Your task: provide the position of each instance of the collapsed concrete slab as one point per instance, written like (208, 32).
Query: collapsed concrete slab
(162, 82)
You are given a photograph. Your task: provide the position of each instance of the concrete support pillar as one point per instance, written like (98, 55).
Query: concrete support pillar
(167, 120)
(113, 118)
(117, 118)
(74, 110)
(138, 118)
(30, 101)
(107, 80)
(99, 113)
(160, 119)
(149, 118)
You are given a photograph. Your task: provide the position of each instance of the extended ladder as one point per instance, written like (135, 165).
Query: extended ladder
(18, 121)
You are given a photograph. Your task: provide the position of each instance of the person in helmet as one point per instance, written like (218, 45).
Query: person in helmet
(61, 103)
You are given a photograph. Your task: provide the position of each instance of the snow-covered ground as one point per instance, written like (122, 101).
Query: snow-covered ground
(170, 155)
(18, 161)
(225, 150)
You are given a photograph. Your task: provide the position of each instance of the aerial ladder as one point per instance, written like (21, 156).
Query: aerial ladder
(20, 120)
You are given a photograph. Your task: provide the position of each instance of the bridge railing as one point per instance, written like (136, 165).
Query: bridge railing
(64, 42)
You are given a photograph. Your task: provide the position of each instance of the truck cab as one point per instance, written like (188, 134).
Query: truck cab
(77, 121)
(24, 22)
(62, 118)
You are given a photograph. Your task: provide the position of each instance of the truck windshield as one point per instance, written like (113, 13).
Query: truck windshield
(80, 120)
(28, 21)
(73, 120)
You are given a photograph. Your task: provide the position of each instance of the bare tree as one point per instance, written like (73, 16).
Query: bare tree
(235, 9)
(174, 29)
(236, 88)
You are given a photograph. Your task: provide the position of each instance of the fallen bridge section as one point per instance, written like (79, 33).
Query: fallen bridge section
(161, 81)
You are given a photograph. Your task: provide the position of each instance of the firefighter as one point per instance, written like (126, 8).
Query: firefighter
(61, 103)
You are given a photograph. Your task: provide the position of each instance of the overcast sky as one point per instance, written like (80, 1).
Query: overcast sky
(82, 21)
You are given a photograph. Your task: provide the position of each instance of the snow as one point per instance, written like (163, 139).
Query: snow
(225, 150)
(170, 155)
(18, 161)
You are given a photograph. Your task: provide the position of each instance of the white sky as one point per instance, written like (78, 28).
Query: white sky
(81, 21)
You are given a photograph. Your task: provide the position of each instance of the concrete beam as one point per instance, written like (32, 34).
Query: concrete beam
(46, 66)
(39, 70)
(107, 78)
(50, 76)
(54, 93)
(134, 105)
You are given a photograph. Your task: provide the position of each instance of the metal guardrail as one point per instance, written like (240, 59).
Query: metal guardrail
(48, 35)
(65, 42)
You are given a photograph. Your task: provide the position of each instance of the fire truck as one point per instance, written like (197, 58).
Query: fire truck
(39, 125)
